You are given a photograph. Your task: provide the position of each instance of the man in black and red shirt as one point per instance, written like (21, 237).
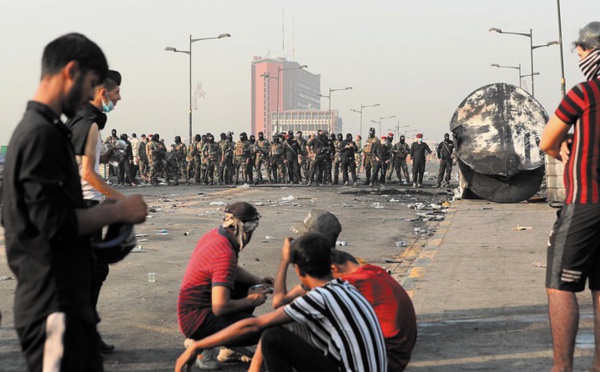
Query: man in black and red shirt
(575, 238)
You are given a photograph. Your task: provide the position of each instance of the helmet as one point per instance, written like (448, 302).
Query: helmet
(349, 136)
(589, 36)
(117, 243)
(177, 139)
(341, 136)
(222, 135)
(197, 138)
(332, 136)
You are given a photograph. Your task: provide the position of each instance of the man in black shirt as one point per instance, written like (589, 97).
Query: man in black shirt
(348, 150)
(418, 153)
(44, 220)
(445, 152)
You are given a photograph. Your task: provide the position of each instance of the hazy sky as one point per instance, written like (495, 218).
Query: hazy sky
(417, 58)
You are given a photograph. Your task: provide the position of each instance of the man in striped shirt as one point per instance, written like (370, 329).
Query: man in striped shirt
(343, 328)
(575, 237)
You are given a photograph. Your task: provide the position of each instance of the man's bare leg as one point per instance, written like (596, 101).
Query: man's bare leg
(563, 310)
(596, 360)
(257, 360)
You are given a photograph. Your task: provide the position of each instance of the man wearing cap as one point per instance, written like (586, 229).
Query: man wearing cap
(445, 153)
(215, 291)
(418, 153)
(574, 239)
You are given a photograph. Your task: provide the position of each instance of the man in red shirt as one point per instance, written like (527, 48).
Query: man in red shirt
(574, 239)
(215, 289)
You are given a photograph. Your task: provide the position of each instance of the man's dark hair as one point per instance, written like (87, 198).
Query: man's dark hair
(243, 211)
(74, 47)
(113, 80)
(312, 253)
(341, 258)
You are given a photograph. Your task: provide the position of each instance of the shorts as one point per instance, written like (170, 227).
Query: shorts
(573, 248)
(61, 342)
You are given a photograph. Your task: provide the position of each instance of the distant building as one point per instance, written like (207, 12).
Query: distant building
(306, 121)
(298, 99)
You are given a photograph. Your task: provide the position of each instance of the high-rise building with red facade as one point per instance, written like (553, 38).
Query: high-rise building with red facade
(280, 83)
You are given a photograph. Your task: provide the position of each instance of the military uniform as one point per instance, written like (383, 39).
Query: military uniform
(348, 150)
(241, 157)
(386, 155)
(291, 150)
(445, 152)
(337, 161)
(212, 155)
(181, 166)
(144, 166)
(317, 152)
(152, 150)
(277, 164)
(262, 157)
(303, 157)
(372, 159)
(228, 168)
(198, 166)
(399, 153)
(418, 153)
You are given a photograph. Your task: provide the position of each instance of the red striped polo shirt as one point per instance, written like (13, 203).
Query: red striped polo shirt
(581, 107)
(213, 263)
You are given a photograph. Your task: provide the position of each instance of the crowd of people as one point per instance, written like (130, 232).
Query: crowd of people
(287, 158)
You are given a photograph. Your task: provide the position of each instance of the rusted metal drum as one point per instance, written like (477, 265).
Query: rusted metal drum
(497, 130)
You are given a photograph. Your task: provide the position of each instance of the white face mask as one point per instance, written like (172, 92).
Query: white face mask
(420, 140)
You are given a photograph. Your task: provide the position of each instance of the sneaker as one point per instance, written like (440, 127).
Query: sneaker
(346, 183)
(414, 184)
(355, 184)
(206, 361)
(106, 348)
(234, 355)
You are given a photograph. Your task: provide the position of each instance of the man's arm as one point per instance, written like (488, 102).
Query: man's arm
(88, 162)
(245, 277)
(233, 333)
(280, 294)
(222, 304)
(131, 209)
(554, 133)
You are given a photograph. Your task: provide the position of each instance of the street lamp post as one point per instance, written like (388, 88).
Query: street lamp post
(331, 125)
(513, 67)
(189, 53)
(396, 129)
(381, 118)
(279, 69)
(562, 64)
(362, 107)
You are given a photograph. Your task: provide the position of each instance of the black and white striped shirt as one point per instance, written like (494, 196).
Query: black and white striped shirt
(342, 324)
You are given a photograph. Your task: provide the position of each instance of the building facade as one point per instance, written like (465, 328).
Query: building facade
(279, 85)
(306, 121)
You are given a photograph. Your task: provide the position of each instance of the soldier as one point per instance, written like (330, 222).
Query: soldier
(445, 153)
(241, 157)
(329, 158)
(291, 150)
(143, 158)
(399, 152)
(359, 154)
(348, 150)
(277, 164)
(227, 156)
(418, 152)
(191, 159)
(372, 158)
(152, 149)
(110, 142)
(262, 157)
(180, 163)
(252, 156)
(163, 162)
(125, 162)
(135, 149)
(316, 154)
(211, 154)
(302, 158)
(386, 155)
(337, 160)
(220, 164)
(199, 144)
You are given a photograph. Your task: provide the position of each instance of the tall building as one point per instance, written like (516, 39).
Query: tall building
(307, 121)
(279, 85)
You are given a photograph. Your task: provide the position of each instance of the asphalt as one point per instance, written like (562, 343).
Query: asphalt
(478, 290)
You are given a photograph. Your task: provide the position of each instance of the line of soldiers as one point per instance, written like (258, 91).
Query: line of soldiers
(287, 158)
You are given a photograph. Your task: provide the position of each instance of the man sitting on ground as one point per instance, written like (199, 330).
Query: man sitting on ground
(390, 301)
(215, 289)
(343, 329)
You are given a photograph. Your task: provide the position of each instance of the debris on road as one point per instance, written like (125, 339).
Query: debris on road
(523, 228)
(218, 204)
(288, 198)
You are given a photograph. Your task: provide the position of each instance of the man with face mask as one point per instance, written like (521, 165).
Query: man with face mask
(220, 164)
(386, 155)
(262, 157)
(316, 154)
(348, 150)
(418, 153)
(303, 155)
(399, 152)
(277, 164)
(227, 150)
(445, 153)
(191, 158)
(241, 159)
(212, 154)
(337, 160)
(291, 149)
(180, 155)
(372, 154)
(574, 240)
(215, 290)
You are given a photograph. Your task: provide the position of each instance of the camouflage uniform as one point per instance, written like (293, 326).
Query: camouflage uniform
(144, 168)
(181, 166)
(277, 165)
(153, 160)
(262, 157)
(303, 156)
(227, 150)
(212, 155)
(386, 155)
(399, 152)
(241, 158)
(198, 166)
(372, 159)
(336, 159)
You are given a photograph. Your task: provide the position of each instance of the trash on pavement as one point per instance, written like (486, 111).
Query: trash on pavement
(288, 198)
(522, 228)
(401, 243)
(218, 203)
(342, 243)
(138, 249)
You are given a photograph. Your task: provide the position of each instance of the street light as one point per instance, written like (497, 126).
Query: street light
(189, 52)
(513, 67)
(329, 110)
(362, 107)
(279, 69)
(381, 119)
(397, 127)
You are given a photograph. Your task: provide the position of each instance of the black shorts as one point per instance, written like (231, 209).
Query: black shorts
(573, 248)
(61, 341)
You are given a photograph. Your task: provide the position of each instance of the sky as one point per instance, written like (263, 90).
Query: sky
(418, 59)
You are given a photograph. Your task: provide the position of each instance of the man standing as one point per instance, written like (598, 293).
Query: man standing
(418, 153)
(574, 239)
(262, 157)
(277, 164)
(372, 158)
(445, 153)
(143, 158)
(348, 150)
(212, 154)
(291, 151)
(46, 225)
(215, 289)
(180, 155)
(386, 155)
(302, 158)
(399, 153)
(316, 153)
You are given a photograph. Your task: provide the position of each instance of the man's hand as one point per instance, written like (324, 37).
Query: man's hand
(258, 296)
(565, 149)
(187, 359)
(134, 208)
(285, 250)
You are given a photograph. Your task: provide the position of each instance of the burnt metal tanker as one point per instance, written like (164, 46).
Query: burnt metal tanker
(496, 131)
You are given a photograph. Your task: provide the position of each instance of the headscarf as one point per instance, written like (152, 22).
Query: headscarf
(241, 229)
(590, 65)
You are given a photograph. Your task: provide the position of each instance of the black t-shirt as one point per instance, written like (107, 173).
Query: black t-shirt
(80, 125)
(42, 190)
